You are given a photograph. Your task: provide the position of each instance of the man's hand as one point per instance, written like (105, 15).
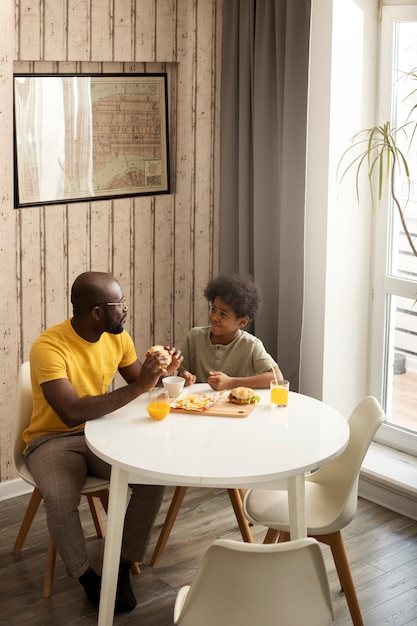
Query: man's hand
(153, 367)
(162, 363)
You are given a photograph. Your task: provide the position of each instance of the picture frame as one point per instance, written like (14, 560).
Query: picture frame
(83, 137)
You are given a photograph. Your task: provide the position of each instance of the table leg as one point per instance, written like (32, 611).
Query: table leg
(296, 506)
(112, 544)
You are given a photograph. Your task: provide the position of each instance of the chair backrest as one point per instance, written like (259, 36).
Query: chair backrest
(342, 474)
(22, 414)
(244, 584)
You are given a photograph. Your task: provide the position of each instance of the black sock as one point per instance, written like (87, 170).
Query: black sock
(91, 582)
(125, 599)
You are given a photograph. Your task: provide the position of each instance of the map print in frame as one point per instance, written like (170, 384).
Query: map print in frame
(89, 137)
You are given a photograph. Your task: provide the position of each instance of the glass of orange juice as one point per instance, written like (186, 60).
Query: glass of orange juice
(158, 405)
(279, 393)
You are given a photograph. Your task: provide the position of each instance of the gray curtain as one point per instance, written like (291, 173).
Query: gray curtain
(263, 156)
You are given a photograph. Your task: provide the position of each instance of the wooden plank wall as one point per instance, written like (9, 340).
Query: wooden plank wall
(163, 248)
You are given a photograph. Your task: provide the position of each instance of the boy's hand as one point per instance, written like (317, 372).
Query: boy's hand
(219, 381)
(188, 377)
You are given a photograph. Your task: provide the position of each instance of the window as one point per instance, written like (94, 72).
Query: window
(394, 343)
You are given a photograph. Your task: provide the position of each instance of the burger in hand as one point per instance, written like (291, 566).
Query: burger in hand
(243, 395)
(163, 352)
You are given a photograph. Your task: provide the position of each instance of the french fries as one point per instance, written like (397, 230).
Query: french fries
(195, 401)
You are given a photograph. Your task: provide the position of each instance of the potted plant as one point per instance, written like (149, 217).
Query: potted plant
(379, 153)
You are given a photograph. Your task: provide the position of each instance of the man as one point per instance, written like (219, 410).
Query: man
(72, 366)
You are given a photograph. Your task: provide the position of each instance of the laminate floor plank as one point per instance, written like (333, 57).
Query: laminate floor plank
(381, 548)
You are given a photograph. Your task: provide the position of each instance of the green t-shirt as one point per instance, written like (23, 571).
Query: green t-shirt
(244, 356)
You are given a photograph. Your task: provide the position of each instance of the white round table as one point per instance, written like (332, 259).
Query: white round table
(257, 451)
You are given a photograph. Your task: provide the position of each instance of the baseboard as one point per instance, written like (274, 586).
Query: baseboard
(14, 488)
(388, 477)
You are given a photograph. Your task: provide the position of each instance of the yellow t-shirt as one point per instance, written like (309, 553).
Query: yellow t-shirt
(59, 352)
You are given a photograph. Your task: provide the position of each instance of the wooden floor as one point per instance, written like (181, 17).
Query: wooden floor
(381, 547)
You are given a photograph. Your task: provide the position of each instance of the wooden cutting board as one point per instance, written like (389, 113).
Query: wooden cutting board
(223, 408)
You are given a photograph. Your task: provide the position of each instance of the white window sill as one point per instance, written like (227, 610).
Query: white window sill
(389, 477)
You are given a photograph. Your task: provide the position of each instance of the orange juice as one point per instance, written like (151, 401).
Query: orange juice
(158, 410)
(279, 395)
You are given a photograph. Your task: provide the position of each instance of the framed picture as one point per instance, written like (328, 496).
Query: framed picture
(81, 137)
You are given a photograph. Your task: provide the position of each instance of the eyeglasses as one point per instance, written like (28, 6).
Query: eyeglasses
(122, 303)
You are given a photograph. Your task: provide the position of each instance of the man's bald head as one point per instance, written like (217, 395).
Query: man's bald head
(92, 288)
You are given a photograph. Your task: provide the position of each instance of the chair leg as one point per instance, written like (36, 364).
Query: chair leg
(95, 514)
(31, 510)
(283, 536)
(174, 507)
(103, 495)
(335, 541)
(236, 500)
(30, 513)
(49, 569)
(271, 535)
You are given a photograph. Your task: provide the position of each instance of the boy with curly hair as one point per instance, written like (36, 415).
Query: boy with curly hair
(223, 354)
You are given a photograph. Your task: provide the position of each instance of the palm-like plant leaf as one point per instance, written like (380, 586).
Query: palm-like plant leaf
(376, 151)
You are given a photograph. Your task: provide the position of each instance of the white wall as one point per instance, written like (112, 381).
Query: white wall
(338, 231)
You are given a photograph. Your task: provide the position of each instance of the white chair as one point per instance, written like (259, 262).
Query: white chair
(246, 584)
(331, 496)
(94, 488)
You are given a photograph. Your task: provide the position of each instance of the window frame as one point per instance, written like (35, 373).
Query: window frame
(384, 284)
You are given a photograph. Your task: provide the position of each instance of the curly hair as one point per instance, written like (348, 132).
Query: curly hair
(241, 294)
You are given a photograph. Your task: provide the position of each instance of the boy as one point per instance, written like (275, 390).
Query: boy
(223, 354)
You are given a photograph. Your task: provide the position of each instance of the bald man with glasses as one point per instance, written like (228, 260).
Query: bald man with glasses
(72, 366)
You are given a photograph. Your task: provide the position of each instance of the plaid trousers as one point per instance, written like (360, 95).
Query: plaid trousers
(60, 465)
